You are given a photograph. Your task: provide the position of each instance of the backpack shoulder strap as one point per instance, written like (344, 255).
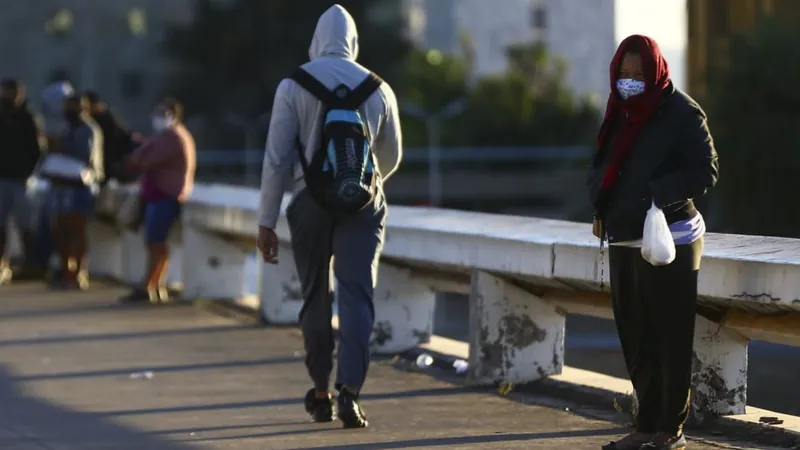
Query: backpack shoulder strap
(313, 86)
(363, 91)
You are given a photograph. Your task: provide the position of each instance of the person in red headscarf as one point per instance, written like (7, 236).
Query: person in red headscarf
(654, 147)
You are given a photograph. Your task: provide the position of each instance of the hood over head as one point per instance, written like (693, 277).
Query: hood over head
(336, 35)
(656, 69)
(53, 97)
(638, 109)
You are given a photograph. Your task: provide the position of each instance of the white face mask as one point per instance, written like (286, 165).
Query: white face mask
(628, 87)
(161, 123)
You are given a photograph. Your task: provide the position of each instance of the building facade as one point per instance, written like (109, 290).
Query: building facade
(489, 27)
(112, 47)
(581, 33)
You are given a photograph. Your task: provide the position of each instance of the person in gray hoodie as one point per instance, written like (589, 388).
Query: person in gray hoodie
(353, 241)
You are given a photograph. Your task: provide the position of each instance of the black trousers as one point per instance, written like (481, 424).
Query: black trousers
(654, 309)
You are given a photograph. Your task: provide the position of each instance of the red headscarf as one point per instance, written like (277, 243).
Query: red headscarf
(632, 114)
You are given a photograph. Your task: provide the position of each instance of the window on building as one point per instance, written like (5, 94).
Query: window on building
(539, 18)
(131, 84)
(60, 23)
(137, 22)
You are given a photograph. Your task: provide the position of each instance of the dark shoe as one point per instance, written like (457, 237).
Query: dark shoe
(64, 284)
(54, 276)
(662, 442)
(632, 441)
(321, 409)
(140, 296)
(31, 273)
(350, 413)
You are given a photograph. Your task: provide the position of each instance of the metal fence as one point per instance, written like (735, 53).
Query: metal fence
(243, 167)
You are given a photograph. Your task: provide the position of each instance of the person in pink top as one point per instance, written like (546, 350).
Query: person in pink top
(167, 163)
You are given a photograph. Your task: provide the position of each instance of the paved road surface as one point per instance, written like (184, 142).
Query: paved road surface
(66, 362)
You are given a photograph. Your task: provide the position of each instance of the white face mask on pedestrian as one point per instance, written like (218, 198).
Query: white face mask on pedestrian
(161, 123)
(628, 87)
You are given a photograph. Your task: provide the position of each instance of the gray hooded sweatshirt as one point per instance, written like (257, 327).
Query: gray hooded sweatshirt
(296, 114)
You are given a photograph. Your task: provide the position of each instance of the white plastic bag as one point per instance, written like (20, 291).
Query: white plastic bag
(658, 248)
(66, 168)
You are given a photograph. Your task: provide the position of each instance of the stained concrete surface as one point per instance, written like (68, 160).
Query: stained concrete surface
(592, 344)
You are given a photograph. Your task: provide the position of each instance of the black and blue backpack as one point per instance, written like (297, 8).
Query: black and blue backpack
(341, 176)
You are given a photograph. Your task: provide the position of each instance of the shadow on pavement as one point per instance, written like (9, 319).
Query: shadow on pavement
(37, 423)
(159, 369)
(480, 439)
(196, 430)
(282, 402)
(48, 312)
(67, 338)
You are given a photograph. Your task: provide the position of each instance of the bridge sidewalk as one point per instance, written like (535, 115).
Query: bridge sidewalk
(73, 376)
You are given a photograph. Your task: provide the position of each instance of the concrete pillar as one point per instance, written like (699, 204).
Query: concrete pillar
(106, 250)
(213, 267)
(719, 372)
(280, 291)
(403, 311)
(134, 257)
(515, 337)
(175, 268)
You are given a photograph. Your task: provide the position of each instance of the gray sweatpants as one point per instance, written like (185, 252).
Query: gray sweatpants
(351, 247)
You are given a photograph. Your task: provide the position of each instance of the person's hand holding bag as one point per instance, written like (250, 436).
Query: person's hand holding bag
(658, 248)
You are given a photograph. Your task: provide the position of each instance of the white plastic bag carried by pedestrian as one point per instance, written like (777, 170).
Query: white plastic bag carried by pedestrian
(658, 248)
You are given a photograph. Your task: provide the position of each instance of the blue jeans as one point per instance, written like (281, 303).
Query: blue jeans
(71, 200)
(44, 245)
(159, 216)
(14, 202)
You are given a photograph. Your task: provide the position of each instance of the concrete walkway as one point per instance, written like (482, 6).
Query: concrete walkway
(74, 375)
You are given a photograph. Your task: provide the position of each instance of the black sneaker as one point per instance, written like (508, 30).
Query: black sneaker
(672, 443)
(30, 273)
(139, 295)
(633, 441)
(320, 409)
(350, 413)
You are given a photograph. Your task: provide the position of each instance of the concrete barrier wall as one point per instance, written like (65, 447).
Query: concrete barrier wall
(522, 274)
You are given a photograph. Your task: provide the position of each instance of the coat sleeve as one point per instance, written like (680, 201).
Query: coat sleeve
(698, 170)
(162, 151)
(389, 142)
(32, 146)
(594, 177)
(279, 155)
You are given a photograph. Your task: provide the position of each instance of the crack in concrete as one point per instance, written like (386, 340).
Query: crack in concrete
(757, 297)
(382, 333)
